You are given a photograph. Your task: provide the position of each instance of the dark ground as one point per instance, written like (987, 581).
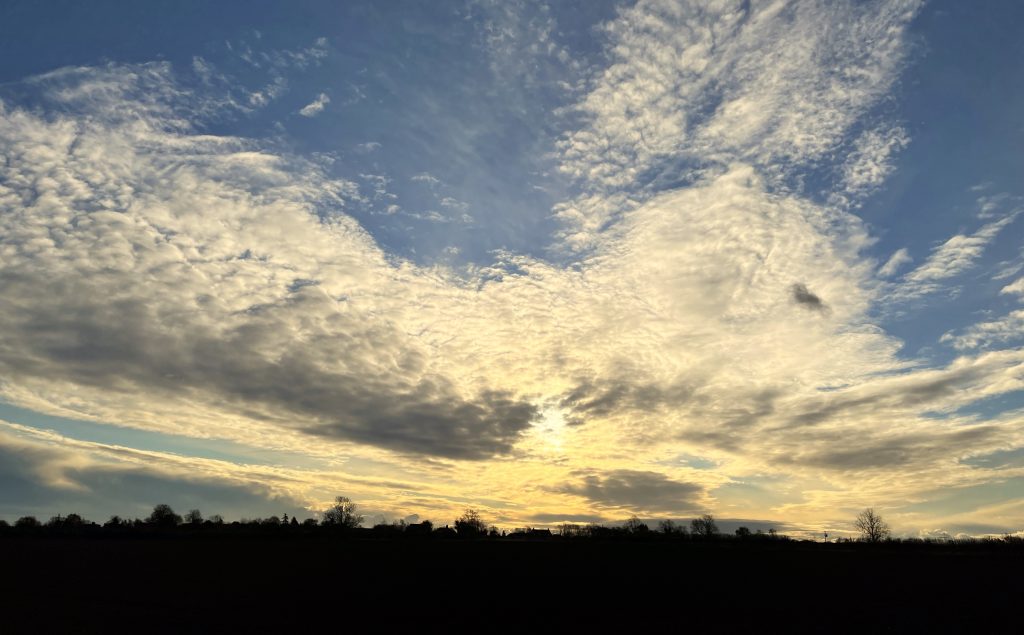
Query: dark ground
(86, 585)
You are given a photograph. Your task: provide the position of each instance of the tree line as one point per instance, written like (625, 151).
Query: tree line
(343, 517)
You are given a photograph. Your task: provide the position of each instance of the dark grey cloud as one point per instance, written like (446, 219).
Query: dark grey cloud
(637, 490)
(730, 425)
(998, 459)
(98, 491)
(602, 397)
(69, 333)
(859, 454)
(981, 529)
(916, 392)
(803, 296)
(567, 518)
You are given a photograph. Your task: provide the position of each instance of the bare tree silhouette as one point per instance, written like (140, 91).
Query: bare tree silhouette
(469, 524)
(704, 526)
(342, 514)
(871, 526)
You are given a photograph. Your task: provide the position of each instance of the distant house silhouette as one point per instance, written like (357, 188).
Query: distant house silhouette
(419, 529)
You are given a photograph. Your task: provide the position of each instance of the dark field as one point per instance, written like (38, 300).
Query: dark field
(234, 584)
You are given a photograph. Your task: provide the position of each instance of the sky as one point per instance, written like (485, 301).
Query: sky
(560, 262)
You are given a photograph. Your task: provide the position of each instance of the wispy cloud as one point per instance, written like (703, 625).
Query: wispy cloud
(1003, 330)
(691, 88)
(872, 159)
(950, 259)
(896, 261)
(1014, 288)
(315, 107)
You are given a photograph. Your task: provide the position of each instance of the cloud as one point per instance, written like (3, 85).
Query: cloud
(1003, 330)
(284, 59)
(1014, 288)
(871, 161)
(950, 259)
(803, 296)
(426, 177)
(368, 147)
(220, 321)
(899, 258)
(989, 205)
(591, 398)
(552, 518)
(894, 451)
(945, 389)
(316, 106)
(637, 490)
(690, 89)
(42, 479)
(276, 65)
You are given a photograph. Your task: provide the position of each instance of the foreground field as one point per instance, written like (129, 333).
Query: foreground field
(232, 585)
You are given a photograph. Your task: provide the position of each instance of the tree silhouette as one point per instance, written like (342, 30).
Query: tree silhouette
(670, 528)
(871, 526)
(164, 516)
(704, 526)
(342, 514)
(71, 521)
(634, 525)
(469, 524)
(27, 522)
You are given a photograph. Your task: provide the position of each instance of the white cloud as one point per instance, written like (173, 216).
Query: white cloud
(1008, 328)
(277, 87)
(899, 258)
(1014, 288)
(990, 205)
(316, 106)
(872, 159)
(693, 86)
(275, 64)
(454, 204)
(950, 259)
(426, 177)
(368, 147)
(1003, 330)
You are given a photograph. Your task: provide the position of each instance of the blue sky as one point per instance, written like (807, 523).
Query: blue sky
(419, 253)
